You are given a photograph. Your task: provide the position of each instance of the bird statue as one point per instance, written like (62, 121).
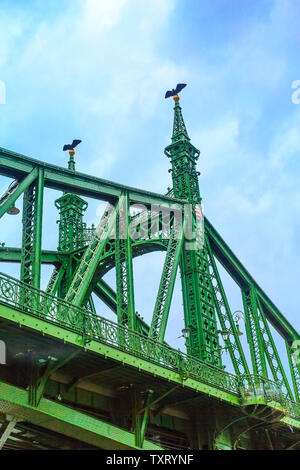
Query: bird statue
(175, 91)
(72, 146)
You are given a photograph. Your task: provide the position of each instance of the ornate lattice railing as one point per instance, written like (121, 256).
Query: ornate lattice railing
(254, 386)
(37, 303)
(92, 327)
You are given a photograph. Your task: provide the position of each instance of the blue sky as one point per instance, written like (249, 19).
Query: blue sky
(98, 71)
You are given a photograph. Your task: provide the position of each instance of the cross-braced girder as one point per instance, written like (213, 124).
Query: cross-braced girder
(32, 232)
(166, 286)
(124, 269)
(82, 280)
(85, 254)
(227, 323)
(253, 332)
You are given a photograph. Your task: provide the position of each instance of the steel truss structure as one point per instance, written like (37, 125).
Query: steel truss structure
(73, 379)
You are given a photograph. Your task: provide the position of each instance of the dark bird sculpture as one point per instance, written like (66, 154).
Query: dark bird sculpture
(175, 91)
(72, 146)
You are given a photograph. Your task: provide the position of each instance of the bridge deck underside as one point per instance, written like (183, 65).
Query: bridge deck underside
(108, 375)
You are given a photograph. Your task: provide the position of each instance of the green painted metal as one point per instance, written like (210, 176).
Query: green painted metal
(12, 254)
(106, 294)
(38, 220)
(138, 351)
(40, 374)
(109, 297)
(69, 316)
(226, 320)
(66, 310)
(124, 270)
(253, 333)
(294, 370)
(167, 282)
(55, 280)
(199, 309)
(19, 166)
(63, 419)
(22, 186)
(88, 265)
(292, 410)
(145, 417)
(32, 232)
(243, 278)
(271, 353)
(71, 225)
(28, 234)
(91, 306)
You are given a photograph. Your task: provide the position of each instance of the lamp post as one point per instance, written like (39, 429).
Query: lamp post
(237, 315)
(13, 210)
(186, 333)
(225, 335)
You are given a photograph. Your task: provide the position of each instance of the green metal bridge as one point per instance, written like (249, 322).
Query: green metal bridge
(72, 379)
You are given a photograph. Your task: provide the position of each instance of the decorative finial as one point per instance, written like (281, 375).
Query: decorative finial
(70, 147)
(174, 92)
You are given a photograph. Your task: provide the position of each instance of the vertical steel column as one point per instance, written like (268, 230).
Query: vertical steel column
(166, 286)
(32, 232)
(197, 290)
(146, 416)
(295, 372)
(124, 269)
(37, 240)
(28, 234)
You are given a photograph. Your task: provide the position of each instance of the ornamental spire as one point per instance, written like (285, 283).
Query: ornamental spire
(179, 129)
(183, 156)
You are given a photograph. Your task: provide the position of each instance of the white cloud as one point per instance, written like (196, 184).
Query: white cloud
(236, 201)
(100, 62)
(285, 144)
(96, 71)
(98, 15)
(218, 143)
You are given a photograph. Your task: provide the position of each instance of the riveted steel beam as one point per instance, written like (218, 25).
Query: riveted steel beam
(124, 269)
(166, 286)
(8, 430)
(16, 165)
(70, 422)
(11, 254)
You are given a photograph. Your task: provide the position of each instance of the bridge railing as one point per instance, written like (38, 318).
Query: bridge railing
(39, 303)
(255, 386)
(187, 367)
(93, 327)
